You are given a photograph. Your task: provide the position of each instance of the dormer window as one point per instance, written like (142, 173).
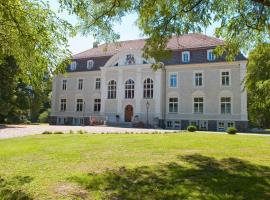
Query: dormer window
(145, 62)
(130, 60)
(185, 56)
(73, 66)
(210, 55)
(90, 64)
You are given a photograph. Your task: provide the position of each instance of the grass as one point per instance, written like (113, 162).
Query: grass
(135, 166)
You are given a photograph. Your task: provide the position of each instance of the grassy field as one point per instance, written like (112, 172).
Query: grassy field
(135, 166)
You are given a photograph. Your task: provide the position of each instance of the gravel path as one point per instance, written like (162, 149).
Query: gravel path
(11, 131)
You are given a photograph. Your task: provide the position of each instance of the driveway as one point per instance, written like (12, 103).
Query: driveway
(11, 131)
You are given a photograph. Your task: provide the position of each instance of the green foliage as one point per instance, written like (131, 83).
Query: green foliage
(231, 130)
(47, 133)
(258, 85)
(44, 117)
(191, 128)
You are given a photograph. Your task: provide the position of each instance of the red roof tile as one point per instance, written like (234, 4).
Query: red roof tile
(187, 41)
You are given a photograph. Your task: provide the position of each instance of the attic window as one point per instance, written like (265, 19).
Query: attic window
(130, 60)
(73, 66)
(145, 62)
(116, 64)
(90, 64)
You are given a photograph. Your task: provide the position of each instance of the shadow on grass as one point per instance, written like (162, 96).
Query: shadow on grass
(205, 178)
(11, 189)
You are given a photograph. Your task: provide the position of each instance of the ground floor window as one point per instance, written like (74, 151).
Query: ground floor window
(169, 124)
(97, 103)
(221, 126)
(177, 124)
(231, 124)
(78, 121)
(194, 123)
(203, 125)
(62, 120)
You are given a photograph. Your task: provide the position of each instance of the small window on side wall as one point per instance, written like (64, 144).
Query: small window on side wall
(73, 66)
(210, 55)
(185, 56)
(90, 64)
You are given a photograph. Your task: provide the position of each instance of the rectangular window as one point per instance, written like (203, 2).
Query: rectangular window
(225, 105)
(97, 103)
(177, 124)
(98, 83)
(64, 85)
(73, 66)
(80, 84)
(221, 126)
(210, 55)
(194, 123)
(79, 107)
(169, 124)
(63, 105)
(198, 105)
(230, 124)
(173, 80)
(225, 78)
(198, 79)
(173, 105)
(185, 56)
(203, 125)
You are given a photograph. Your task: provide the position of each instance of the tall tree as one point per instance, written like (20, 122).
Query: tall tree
(258, 85)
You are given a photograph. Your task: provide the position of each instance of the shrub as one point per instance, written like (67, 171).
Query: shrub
(47, 133)
(231, 130)
(43, 117)
(58, 132)
(191, 128)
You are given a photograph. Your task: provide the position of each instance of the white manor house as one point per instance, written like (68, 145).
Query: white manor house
(114, 84)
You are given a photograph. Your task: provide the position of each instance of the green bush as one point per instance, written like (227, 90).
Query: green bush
(231, 130)
(58, 132)
(44, 117)
(191, 128)
(47, 133)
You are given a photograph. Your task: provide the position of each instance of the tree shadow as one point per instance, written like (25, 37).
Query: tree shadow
(201, 177)
(10, 189)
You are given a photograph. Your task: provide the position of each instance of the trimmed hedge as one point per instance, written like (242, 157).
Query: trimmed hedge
(231, 130)
(191, 128)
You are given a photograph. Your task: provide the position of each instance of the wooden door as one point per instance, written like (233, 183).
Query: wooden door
(128, 113)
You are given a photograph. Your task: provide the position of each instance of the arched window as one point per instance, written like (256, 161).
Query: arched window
(129, 89)
(148, 88)
(112, 89)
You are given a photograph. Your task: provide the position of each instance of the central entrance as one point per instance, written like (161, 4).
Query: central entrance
(128, 113)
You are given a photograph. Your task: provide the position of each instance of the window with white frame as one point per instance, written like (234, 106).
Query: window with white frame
(63, 105)
(225, 105)
(210, 55)
(169, 124)
(185, 56)
(198, 79)
(198, 105)
(230, 124)
(73, 66)
(80, 84)
(221, 126)
(193, 123)
(129, 89)
(173, 80)
(112, 89)
(173, 105)
(64, 85)
(203, 125)
(97, 103)
(148, 88)
(90, 64)
(79, 106)
(225, 78)
(98, 83)
(177, 124)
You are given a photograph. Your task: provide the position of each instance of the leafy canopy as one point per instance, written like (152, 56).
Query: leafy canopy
(243, 23)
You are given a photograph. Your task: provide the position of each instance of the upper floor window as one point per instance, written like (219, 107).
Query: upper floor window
(225, 78)
(173, 80)
(98, 83)
(210, 55)
(225, 105)
(130, 60)
(90, 64)
(63, 105)
(79, 106)
(185, 56)
(73, 66)
(112, 89)
(198, 79)
(129, 89)
(64, 85)
(173, 105)
(148, 88)
(97, 103)
(198, 105)
(80, 84)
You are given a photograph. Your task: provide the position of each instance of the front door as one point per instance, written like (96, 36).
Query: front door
(128, 113)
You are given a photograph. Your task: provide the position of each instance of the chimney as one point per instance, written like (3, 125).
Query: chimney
(95, 44)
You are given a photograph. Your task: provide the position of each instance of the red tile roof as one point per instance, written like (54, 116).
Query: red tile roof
(187, 41)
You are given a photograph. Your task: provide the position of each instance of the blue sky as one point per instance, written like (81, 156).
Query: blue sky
(127, 30)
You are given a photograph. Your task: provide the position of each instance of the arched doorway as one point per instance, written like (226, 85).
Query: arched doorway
(128, 113)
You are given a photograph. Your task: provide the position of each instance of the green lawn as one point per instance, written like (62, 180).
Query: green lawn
(135, 166)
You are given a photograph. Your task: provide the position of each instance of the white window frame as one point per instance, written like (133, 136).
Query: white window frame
(232, 122)
(97, 104)
(230, 78)
(63, 110)
(73, 66)
(90, 64)
(96, 81)
(179, 124)
(76, 104)
(177, 102)
(112, 90)
(183, 53)
(218, 127)
(203, 122)
(129, 87)
(169, 122)
(203, 103)
(231, 102)
(146, 89)
(170, 75)
(64, 86)
(208, 52)
(194, 79)
(78, 85)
